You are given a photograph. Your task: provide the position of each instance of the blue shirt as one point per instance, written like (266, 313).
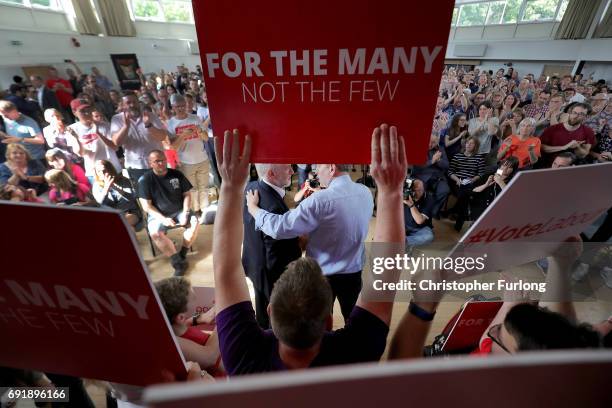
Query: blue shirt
(336, 220)
(26, 127)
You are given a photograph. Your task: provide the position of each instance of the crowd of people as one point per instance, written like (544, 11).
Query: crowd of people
(151, 154)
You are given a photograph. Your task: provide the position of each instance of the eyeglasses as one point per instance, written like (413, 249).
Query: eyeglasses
(494, 334)
(578, 113)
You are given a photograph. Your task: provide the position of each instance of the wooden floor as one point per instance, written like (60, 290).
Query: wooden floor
(200, 273)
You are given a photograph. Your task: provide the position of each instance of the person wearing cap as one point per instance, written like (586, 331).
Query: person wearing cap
(189, 137)
(139, 132)
(21, 129)
(95, 140)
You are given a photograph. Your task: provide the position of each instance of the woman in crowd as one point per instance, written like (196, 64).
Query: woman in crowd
(10, 192)
(483, 195)
(57, 160)
(21, 170)
(524, 92)
(496, 99)
(111, 189)
(465, 170)
(484, 127)
(509, 123)
(59, 136)
(454, 136)
(64, 190)
(523, 145)
(509, 104)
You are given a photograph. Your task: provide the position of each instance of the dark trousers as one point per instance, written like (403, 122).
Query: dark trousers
(346, 287)
(262, 300)
(135, 174)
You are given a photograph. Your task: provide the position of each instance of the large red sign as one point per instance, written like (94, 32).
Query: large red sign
(75, 298)
(310, 80)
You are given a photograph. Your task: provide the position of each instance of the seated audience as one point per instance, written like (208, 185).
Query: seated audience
(10, 192)
(524, 146)
(465, 170)
(454, 136)
(57, 160)
(483, 195)
(571, 136)
(301, 301)
(510, 122)
(165, 195)
(178, 298)
(111, 189)
(418, 213)
(21, 129)
(20, 169)
(433, 174)
(65, 190)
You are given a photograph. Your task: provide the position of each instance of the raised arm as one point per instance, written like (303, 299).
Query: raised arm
(388, 167)
(230, 284)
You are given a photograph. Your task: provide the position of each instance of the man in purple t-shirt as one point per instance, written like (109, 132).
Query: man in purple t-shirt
(301, 300)
(571, 136)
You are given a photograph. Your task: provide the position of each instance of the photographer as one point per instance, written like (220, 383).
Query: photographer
(418, 212)
(311, 184)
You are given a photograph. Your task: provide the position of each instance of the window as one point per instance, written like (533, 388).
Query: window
(540, 10)
(43, 4)
(496, 11)
(163, 10)
(473, 14)
(455, 14)
(562, 9)
(147, 10)
(512, 10)
(177, 11)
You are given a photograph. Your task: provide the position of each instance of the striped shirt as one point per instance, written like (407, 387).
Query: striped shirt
(464, 166)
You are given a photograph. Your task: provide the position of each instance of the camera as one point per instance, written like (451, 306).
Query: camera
(314, 183)
(408, 188)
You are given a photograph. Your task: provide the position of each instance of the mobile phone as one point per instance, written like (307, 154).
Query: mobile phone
(499, 172)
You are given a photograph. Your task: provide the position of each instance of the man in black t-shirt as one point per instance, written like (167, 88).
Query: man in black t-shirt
(165, 196)
(418, 212)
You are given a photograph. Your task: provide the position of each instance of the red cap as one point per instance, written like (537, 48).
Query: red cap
(78, 104)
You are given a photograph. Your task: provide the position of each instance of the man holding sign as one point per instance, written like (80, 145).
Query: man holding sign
(301, 300)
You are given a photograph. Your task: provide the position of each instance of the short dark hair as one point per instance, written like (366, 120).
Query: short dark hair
(488, 104)
(129, 92)
(174, 295)
(568, 155)
(537, 328)
(301, 303)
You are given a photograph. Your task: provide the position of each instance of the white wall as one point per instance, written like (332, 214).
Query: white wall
(46, 40)
(600, 70)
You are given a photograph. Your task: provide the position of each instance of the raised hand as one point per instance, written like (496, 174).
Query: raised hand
(233, 167)
(389, 164)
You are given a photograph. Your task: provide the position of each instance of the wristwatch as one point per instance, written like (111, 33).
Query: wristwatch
(421, 313)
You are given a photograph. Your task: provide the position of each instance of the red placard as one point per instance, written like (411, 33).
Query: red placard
(76, 299)
(471, 324)
(310, 80)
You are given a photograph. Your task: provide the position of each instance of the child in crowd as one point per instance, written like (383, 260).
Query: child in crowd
(178, 299)
(64, 190)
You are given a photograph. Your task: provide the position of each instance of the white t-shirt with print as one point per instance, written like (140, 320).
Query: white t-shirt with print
(94, 148)
(192, 150)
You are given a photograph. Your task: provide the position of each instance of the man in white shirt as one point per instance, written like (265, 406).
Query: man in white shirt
(139, 132)
(189, 137)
